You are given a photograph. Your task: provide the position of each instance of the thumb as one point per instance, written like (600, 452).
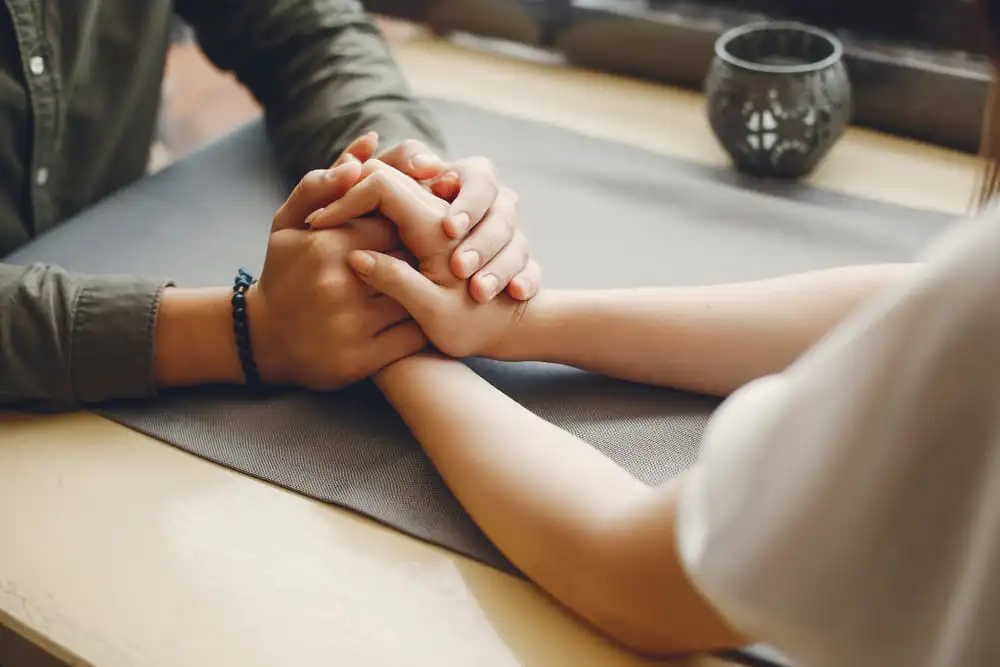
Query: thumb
(397, 280)
(317, 189)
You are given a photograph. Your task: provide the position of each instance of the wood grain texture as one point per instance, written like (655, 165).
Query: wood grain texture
(121, 551)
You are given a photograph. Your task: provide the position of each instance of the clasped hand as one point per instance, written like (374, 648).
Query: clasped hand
(316, 323)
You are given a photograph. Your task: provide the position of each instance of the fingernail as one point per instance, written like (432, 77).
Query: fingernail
(350, 159)
(489, 284)
(520, 284)
(469, 261)
(362, 262)
(311, 218)
(426, 161)
(460, 224)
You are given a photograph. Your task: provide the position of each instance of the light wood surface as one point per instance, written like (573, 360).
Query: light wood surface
(673, 121)
(118, 550)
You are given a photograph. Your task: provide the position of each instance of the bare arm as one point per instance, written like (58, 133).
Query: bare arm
(707, 339)
(595, 538)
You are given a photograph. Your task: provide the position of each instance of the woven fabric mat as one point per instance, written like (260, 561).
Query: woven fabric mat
(598, 214)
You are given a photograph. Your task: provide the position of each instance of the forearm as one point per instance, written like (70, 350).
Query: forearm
(708, 339)
(322, 71)
(68, 340)
(554, 505)
(195, 343)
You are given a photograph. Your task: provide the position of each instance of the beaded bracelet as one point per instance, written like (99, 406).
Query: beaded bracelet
(241, 327)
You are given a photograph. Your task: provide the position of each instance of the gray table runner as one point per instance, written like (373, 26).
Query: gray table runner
(598, 214)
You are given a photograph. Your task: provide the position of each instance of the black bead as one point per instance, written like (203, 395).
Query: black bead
(241, 328)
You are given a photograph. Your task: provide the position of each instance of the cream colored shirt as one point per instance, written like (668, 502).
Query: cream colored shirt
(847, 511)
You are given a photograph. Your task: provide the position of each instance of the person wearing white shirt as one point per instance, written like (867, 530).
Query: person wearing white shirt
(846, 505)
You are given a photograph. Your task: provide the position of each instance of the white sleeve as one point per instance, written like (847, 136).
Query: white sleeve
(847, 511)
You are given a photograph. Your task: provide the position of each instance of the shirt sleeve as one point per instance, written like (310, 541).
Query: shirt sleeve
(68, 340)
(847, 511)
(321, 69)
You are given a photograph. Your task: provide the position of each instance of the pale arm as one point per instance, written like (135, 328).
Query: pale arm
(708, 339)
(596, 539)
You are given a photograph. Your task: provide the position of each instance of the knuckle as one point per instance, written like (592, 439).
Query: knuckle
(414, 146)
(334, 286)
(379, 180)
(312, 180)
(521, 248)
(508, 226)
(324, 244)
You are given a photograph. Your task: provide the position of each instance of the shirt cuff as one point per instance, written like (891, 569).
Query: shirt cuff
(114, 325)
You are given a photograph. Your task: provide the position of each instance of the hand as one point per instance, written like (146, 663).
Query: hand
(492, 254)
(312, 321)
(453, 321)
(412, 157)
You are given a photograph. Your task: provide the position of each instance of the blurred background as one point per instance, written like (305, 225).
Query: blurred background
(917, 66)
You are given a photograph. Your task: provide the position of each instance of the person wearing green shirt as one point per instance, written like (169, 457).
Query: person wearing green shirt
(79, 96)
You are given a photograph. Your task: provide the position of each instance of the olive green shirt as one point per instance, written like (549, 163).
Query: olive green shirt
(79, 96)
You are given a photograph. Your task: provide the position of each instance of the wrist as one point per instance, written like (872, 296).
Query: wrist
(530, 338)
(194, 341)
(407, 365)
(266, 343)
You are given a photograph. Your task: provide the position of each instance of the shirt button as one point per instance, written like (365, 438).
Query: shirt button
(42, 176)
(37, 65)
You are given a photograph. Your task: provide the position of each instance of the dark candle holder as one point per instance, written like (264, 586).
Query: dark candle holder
(778, 97)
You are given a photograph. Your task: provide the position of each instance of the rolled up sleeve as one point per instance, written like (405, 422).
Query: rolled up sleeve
(321, 69)
(68, 340)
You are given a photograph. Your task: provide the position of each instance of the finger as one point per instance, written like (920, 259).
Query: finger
(316, 189)
(396, 279)
(478, 192)
(414, 159)
(374, 233)
(383, 312)
(400, 254)
(489, 237)
(447, 187)
(396, 343)
(527, 284)
(406, 256)
(395, 195)
(361, 149)
(493, 278)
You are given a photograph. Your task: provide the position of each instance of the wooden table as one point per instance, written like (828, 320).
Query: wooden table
(118, 550)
